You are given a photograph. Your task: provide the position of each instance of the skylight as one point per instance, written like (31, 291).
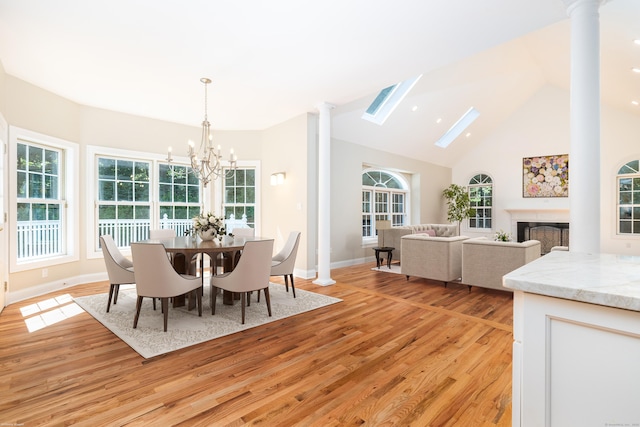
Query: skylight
(387, 101)
(459, 127)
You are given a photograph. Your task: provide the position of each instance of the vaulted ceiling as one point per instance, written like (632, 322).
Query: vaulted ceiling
(271, 61)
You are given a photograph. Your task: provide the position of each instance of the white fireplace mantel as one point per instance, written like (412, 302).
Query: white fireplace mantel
(536, 215)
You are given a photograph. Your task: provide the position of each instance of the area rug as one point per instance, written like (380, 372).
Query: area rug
(395, 268)
(185, 328)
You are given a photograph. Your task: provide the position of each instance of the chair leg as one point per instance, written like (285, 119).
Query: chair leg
(165, 310)
(115, 299)
(138, 306)
(249, 298)
(213, 298)
(286, 282)
(267, 299)
(293, 288)
(243, 302)
(111, 291)
(199, 302)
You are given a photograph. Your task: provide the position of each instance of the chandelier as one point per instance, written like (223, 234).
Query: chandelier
(206, 162)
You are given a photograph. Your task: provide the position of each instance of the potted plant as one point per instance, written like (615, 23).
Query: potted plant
(459, 204)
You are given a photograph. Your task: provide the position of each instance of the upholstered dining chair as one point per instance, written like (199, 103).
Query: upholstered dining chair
(156, 278)
(162, 233)
(244, 232)
(119, 268)
(283, 262)
(250, 274)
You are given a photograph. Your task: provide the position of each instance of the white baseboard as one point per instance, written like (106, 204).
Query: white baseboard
(45, 288)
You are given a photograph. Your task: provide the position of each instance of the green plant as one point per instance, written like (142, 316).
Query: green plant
(458, 204)
(502, 236)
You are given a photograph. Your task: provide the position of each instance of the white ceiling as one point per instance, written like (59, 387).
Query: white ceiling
(273, 60)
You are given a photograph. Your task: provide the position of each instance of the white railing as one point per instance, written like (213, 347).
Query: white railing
(232, 222)
(39, 238)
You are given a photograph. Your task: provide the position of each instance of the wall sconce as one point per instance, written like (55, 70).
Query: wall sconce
(278, 178)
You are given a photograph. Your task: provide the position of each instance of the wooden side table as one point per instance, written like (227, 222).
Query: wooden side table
(384, 249)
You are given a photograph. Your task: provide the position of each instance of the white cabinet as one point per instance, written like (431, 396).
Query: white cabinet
(574, 363)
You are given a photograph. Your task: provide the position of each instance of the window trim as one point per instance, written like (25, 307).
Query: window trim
(93, 151)
(70, 189)
(406, 190)
(619, 175)
(219, 195)
(469, 185)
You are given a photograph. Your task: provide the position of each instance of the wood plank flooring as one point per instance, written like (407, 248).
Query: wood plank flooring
(393, 353)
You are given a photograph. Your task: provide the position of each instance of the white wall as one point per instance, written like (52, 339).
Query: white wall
(541, 127)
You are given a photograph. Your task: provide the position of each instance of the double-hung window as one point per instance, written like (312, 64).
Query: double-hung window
(384, 197)
(179, 194)
(239, 198)
(124, 201)
(629, 198)
(44, 215)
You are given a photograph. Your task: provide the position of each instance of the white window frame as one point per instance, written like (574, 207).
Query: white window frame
(490, 208)
(91, 230)
(69, 187)
(219, 191)
(618, 177)
(406, 190)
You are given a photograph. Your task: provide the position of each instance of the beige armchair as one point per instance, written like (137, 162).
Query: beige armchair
(485, 261)
(435, 258)
(119, 268)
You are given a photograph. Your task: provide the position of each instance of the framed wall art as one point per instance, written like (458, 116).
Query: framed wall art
(545, 176)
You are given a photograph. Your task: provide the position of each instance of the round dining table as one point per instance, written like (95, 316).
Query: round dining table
(184, 248)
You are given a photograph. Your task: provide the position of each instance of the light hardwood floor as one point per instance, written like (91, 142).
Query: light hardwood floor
(393, 353)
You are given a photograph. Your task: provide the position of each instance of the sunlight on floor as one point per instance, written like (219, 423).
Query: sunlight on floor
(50, 311)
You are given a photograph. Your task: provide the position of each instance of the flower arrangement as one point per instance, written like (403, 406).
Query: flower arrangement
(502, 236)
(208, 224)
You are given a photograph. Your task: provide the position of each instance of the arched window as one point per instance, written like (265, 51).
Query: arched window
(384, 197)
(629, 198)
(481, 195)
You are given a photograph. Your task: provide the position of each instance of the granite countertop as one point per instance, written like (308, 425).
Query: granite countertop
(604, 279)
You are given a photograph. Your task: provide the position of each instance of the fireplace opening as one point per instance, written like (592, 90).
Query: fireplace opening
(549, 234)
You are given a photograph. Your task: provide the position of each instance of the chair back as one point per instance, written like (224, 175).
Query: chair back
(118, 267)
(253, 269)
(244, 232)
(162, 233)
(285, 260)
(155, 276)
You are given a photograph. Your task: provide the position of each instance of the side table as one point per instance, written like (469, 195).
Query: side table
(384, 249)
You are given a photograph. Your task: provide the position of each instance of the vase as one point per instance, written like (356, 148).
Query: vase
(207, 234)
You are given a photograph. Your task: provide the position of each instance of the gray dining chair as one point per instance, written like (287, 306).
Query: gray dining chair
(250, 274)
(283, 263)
(156, 278)
(119, 268)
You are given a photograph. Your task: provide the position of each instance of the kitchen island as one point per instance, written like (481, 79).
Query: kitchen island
(576, 350)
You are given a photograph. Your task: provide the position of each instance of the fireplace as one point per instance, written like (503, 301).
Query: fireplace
(549, 234)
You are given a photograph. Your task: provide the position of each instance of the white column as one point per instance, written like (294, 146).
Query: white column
(324, 196)
(584, 156)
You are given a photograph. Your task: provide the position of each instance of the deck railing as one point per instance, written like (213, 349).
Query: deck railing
(38, 239)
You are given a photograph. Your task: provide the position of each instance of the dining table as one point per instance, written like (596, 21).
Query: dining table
(184, 248)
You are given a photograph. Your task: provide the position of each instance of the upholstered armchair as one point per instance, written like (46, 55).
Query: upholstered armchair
(485, 261)
(435, 258)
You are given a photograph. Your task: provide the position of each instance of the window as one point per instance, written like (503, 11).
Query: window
(629, 198)
(481, 197)
(124, 204)
(135, 192)
(239, 197)
(387, 100)
(179, 194)
(384, 197)
(43, 214)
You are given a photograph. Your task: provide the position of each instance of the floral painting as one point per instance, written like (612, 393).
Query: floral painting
(545, 176)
